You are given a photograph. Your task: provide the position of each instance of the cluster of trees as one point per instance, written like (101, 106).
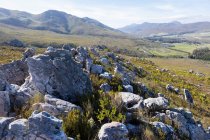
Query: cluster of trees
(201, 53)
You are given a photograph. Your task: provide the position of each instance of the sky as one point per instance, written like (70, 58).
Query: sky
(119, 13)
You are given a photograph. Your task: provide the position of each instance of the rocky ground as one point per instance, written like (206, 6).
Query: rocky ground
(88, 93)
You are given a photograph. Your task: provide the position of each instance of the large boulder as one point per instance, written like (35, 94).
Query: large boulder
(56, 73)
(15, 72)
(4, 103)
(44, 126)
(113, 131)
(155, 104)
(39, 126)
(130, 99)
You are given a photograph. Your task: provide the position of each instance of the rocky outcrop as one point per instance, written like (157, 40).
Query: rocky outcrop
(15, 72)
(57, 74)
(113, 131)
(44, 126)
(55, 107)
(39, 126)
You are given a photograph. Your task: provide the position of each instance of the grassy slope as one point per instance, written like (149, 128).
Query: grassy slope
(45, 37)
(157, 82)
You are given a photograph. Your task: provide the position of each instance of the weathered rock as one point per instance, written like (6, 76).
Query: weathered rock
(4, 103)
(55, 107)
(106, 75)
(128, 88)
(155, 104)
(167, 130)
(188, 96)
(15, 72)
(104, 61)
(4, 124)
(18, 129)
(56, 73)
(51, 109)
(113, 131)
(130, 99)
(44, 126)
(105, 87)
(29, 52)
(97, 69)
(180, 121)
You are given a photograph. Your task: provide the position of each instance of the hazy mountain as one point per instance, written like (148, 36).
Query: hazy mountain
(148, 29)
(56, 21)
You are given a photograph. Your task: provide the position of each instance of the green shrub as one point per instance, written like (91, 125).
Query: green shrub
(108, 111)
(78, 126)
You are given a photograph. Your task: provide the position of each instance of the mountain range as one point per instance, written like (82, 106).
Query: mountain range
(172, 28)
(64, 23)
(56, 21)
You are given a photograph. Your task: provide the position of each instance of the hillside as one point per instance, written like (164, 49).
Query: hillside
(56, 21)
(172, 28)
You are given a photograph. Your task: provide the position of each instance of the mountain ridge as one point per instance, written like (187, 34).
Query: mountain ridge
(175, 27)
(56, 21)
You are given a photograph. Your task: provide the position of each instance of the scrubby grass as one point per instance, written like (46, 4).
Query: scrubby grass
(8, 53)
(157, 81)
(178, 64)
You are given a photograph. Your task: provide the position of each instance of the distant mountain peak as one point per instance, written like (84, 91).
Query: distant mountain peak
(175, 27)
(56, 21)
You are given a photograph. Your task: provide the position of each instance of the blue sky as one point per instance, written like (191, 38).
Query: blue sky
(118, 13)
